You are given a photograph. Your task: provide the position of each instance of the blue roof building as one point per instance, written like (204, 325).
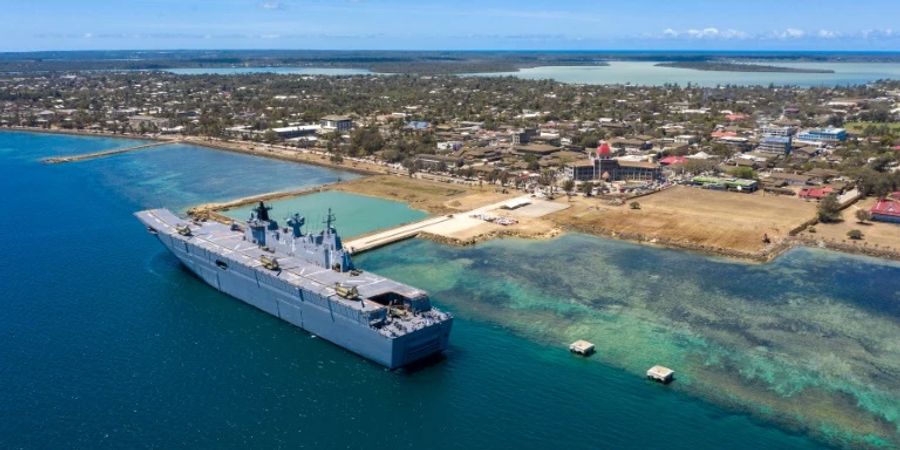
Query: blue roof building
(824, 135)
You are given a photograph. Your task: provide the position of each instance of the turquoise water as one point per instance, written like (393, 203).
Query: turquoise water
(330, 71)
(108, 342)
(356, 214)
(809, 340)
(647, 73)
(26, 146)
(179, 176)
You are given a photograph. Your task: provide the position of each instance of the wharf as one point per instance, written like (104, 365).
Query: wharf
(101, 154)
(446, 225)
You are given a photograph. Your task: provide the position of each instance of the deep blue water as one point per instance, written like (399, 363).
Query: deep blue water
(108, 342)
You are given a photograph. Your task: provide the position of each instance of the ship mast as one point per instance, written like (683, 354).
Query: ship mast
(329, 220)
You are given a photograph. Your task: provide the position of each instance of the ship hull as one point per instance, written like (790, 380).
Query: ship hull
(308, 310)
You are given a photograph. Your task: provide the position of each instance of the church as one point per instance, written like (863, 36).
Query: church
(601, 166)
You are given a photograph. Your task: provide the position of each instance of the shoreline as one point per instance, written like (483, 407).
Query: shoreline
(243, 147)
(768, 254)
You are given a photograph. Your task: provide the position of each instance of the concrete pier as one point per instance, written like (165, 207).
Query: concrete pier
(448, 226)
(441, 226)
(95, 155)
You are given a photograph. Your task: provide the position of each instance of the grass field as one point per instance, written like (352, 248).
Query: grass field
(860, 126)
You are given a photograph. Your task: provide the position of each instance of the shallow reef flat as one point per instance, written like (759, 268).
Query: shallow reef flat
(808, 341)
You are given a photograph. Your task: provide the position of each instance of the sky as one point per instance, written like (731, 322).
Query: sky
(30, 25)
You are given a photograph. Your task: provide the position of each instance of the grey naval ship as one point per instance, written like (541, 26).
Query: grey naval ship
(309, 280)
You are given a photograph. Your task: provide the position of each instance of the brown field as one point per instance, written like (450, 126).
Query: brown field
(721, 222)
(432, 196)
(879, 235)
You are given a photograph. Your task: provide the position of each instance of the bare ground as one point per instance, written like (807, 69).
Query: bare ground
(431, 196)
(720, 222)
(876, 235)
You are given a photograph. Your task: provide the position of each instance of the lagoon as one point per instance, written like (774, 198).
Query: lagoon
(648, 74)
(356, 214)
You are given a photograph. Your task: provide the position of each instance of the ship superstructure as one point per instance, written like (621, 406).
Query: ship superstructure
(309, 280)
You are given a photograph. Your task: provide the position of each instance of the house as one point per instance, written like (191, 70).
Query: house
(775, 145)
(730, 184)
(582, 170)
(418, 125)
(887, 209)
(441, 162)
(789, 178)
(822, 175)
(522, 137)
(537, 149)
(775, 130)
(687, 139)
(336, 123)
(148, 123)
(817, 193)
(735, 143)
(296, 131)
(673, 160)
(631, 145)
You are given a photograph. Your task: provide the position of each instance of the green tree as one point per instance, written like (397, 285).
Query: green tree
(568, 186)
(743, 172)
(587, 189)
(270, 137)
(366, 141)
(855, 235)
(829, 209)
(862, 216)
(634, 205)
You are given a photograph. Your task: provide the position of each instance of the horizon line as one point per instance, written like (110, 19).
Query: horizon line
(612, 50)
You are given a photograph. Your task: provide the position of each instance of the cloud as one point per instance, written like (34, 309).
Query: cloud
(790, 33)
(272, 4)
(787, 34)
(705, 33)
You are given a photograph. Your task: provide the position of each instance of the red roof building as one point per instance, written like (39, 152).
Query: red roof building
(887, 209)
(722, 133)
(816, 193)
(603, 150)
(672, 160)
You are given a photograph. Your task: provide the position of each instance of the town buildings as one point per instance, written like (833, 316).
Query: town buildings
(823, 135)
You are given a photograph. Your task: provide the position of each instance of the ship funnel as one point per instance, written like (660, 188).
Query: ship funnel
(262, 212)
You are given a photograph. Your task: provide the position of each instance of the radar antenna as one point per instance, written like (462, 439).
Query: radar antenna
(329, 220)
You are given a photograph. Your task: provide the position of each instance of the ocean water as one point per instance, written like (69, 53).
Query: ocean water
(355, 214)
(648, 74)
(809, 341)
(25, 146)
(179, 176)
(108, 342)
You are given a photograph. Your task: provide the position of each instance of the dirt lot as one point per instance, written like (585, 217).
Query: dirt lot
(431, 196)
(721, 222)
(875, 234)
